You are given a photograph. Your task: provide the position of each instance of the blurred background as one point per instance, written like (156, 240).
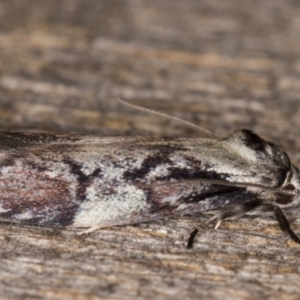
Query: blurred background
(223, 65)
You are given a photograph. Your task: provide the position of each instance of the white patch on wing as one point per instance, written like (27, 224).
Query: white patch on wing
(100, 208)
(159, 171)
(179, 161)
(25, 216)
(3, 210)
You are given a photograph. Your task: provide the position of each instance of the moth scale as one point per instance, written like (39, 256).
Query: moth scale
(93, 182)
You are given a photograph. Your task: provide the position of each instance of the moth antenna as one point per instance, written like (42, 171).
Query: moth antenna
(218, 224)
(168, 116)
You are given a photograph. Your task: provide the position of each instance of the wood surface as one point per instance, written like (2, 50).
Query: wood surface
(224, 65)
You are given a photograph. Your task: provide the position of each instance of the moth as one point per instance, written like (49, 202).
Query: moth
(94, 182)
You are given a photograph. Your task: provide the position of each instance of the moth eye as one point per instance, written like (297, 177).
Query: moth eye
(285, 199)
(289, 187)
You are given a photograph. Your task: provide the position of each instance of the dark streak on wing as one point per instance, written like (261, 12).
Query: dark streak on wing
(148, 164)
(83, 181)
(197, 170)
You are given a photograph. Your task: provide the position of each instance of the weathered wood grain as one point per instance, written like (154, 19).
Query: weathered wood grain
(221, 64)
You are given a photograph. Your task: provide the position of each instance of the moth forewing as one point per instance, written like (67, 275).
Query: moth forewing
(90, 181)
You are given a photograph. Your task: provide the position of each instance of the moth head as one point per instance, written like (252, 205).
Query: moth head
(259, 151)
(292, 188)
(276, 164)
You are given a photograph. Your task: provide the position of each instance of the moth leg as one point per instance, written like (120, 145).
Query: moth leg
(192, 238)
(234, 212)
(218, 224)
(284, 224)
(89, 230)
